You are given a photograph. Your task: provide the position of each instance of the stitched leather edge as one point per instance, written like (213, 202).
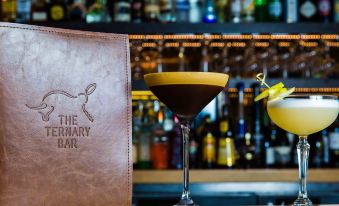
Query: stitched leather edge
(87, 34)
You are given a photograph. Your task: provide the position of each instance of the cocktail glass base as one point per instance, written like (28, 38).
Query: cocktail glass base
(186, 202)
(302, 202)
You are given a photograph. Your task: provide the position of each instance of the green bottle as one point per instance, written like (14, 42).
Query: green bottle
(261, 11)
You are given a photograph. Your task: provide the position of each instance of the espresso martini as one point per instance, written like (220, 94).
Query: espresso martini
(186, 93)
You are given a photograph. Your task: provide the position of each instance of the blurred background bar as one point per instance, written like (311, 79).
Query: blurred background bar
(238, 156)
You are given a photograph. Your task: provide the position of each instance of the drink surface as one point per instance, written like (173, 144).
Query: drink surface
(303, 116)
(186, 93)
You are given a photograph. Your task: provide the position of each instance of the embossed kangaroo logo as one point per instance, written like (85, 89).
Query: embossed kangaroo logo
(50, 108)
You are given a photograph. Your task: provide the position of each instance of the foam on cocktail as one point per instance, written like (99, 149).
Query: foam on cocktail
(186, 93)
(303, 116)
(204, 78)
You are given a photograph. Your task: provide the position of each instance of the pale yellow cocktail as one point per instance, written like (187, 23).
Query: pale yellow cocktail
(303, 116)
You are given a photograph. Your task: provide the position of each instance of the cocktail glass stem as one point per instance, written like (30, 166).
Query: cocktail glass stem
(303, 149)
(185, 197)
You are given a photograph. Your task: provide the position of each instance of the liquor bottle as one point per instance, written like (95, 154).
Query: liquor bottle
(257, 134)
(8, 10)
(261, 10)
(307, 11)
(151, 11)
(248, 10)
(270, 157)
(336, 11)
(160, 147)
(39, 11)
(334, 144)
(57, 10)
(236, 8)
(326, 146)
(209, 15)
(208, 147)
(324, 10)
(291, 11)
(226, 148)
(137, 125)
(182, 8)
(195, 11)
(97, 12)
(176, 146)
(144, 161)
(248, 152)
(194, 151)
(282, 149)
(317, 155)
(275, 8)
(166, 11)
(122, 11)
(241, 113)
(137, 8)
(77, 11)
(23, 11)
(205, 60)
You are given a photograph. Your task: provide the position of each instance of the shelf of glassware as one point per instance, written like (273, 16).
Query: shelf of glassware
(234, 175)
(196, 28)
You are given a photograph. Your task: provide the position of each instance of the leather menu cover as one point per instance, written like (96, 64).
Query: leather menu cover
(65, 117)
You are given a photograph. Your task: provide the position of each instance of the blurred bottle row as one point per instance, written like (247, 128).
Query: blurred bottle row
(194, 11)
(239, 59)
(235, 133)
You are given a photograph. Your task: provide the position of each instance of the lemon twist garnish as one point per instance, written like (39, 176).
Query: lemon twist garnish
(275, 92)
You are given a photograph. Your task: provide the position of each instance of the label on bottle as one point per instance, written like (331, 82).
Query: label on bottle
(282, 154)
(324, 7)
(23, 6)
(39, 16)
(122, 11)
(292, 11)
(236, 7)
(223, 126)
(308, 9)
(135, 153)
(248, 7)
(226, 152)
(57, 12)
(195, 11)
(193, 148)
(8, 6)
(270, 156)
(334, 140)
(275, 9)
(209, 149)
(160, 155)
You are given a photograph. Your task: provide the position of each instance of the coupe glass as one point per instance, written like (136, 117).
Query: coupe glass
(303, 115)
(186, 94)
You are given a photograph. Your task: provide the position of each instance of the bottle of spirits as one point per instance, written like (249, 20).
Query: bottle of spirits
(122, 11)
(176, 146)
(248, 10)
(8, 10)
(23, 11)
(182, 9)
(241, 112)
(307, 11)
(326, 146)
(275, 10)
(208, 146)
(160, 147)
(151, 11)
(194, 151)
(270, 159)
(282, 149)
(261, 11)
(226, 148)
(39, 11)
(97, 12)
(137, 10)
(57, 10)
(258, 136)
(336, 11)
(166, 11)
(291, 11)
(236, 8)
(195, 11)
(209, 15)
(325, 11)
(334, 144)
(77, 11)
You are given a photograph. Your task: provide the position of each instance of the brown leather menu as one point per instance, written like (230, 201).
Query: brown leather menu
(65, 118)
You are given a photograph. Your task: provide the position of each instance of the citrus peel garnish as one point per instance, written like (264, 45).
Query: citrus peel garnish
(273, 93)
